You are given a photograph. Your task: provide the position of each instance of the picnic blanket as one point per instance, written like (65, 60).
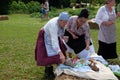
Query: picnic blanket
(104, 72)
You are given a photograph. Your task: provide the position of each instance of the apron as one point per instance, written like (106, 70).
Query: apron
(76, 44)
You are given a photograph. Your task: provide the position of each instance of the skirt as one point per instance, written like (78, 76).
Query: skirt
(41, 57)
(107, 51)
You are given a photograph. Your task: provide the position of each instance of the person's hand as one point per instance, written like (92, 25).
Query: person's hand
(87, 48)
(62, 57)
(108, 23)
(66, 38)
(74, 36)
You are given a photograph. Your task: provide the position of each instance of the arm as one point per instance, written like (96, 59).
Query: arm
(54, 37)
(98, 17)
(87, 45)
(87, 36)
(107, 23)
(69, 26)
(73, 35)
(102, 17)
(110, 22)
(55, 42)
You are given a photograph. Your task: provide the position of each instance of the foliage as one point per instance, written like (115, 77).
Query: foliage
(65, 4)
(33, 6)
(13, 6)
(18, 7)
(74, 12)
(21, 7)
(4, 6)
(59, 3)
(24, 8)
(55, 12)
(72, 1)
(92, 12)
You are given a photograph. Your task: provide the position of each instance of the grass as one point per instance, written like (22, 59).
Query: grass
(17, 43)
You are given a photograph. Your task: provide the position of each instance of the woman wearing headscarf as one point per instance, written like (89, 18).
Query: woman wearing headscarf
(49, 47)
(106, 18)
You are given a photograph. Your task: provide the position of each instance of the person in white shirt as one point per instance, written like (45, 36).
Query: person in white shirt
(50, 48)
(106, 18)
(47, 8)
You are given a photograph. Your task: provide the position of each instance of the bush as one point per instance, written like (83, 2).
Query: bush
(22, 6)
(74, 12)
(19, 7)
(33, 6)
(53, 12)
(4, 6)
(92, 11)
(13, 7)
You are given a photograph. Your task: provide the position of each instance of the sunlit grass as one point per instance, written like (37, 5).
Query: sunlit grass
(17, 42)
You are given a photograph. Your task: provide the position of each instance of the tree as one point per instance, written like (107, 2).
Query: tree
(4, 6)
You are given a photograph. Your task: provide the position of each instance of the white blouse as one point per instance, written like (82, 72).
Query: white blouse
(52, 32)
(106, 34)
(47, 6)
(102, 15)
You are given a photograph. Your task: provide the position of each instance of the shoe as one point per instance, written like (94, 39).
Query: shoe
(46, 72)
(49, 73)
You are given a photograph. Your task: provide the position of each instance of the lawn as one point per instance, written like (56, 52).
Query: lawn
(17, 43)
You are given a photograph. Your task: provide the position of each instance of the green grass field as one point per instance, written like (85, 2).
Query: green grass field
(17, 43)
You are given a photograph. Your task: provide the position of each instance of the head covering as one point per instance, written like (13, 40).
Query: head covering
(84, 13)
(63, 16)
